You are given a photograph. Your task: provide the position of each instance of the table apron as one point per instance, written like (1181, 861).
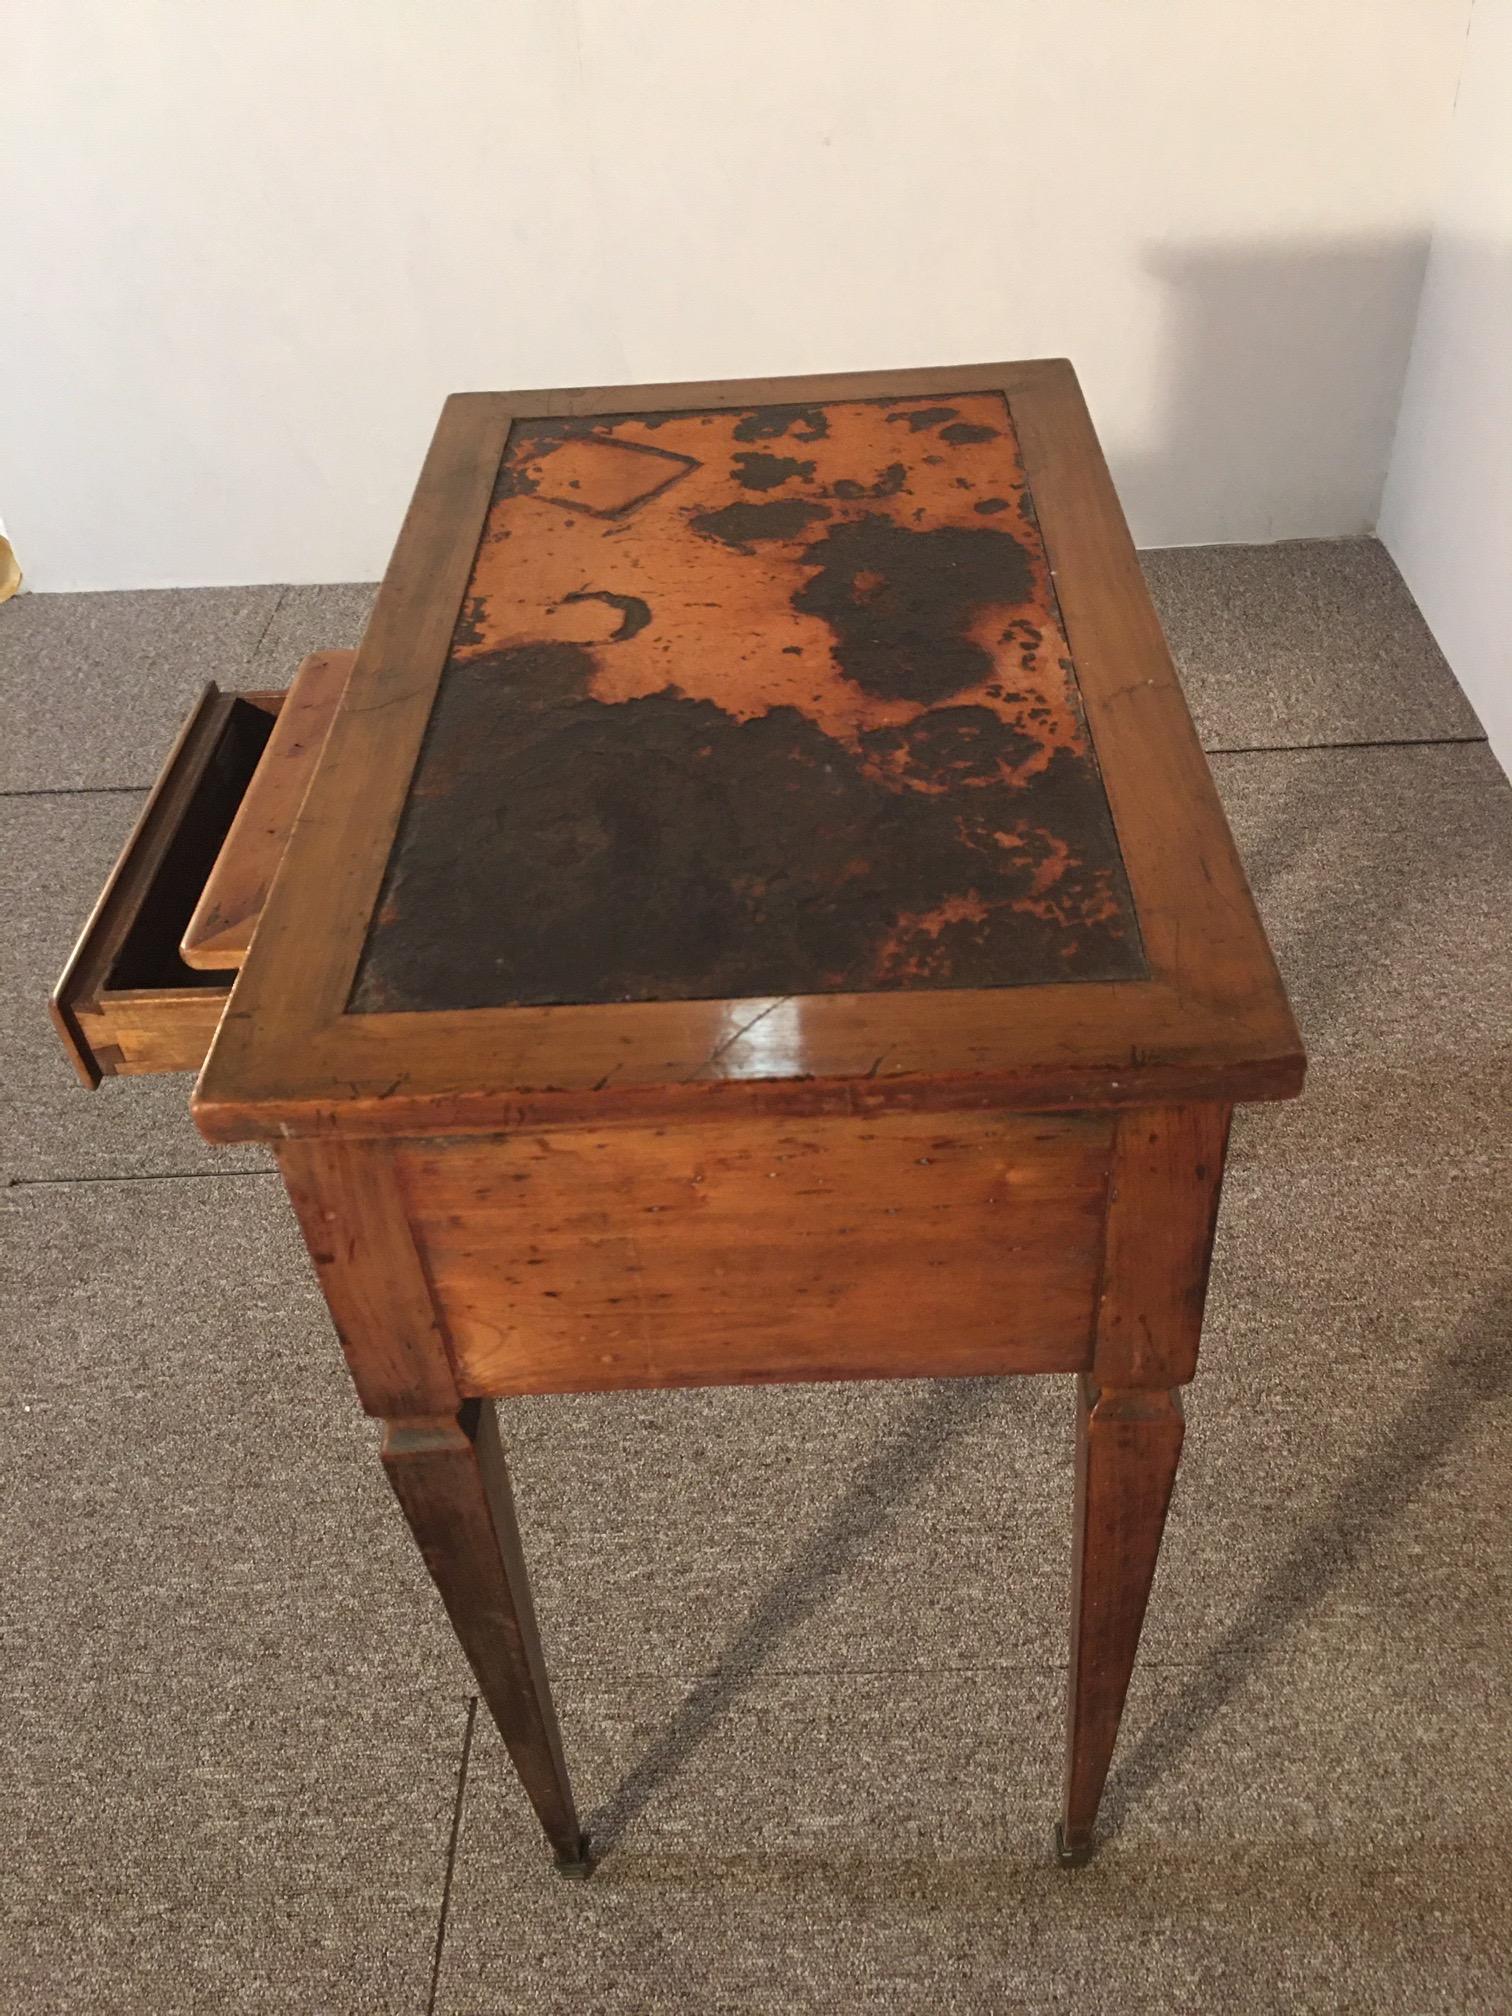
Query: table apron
(899, 1246)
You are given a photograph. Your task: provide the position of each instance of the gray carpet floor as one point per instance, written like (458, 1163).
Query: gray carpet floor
(808, 1643)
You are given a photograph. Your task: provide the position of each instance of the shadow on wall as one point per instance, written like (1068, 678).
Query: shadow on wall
(1447, 514)
(1280, 379)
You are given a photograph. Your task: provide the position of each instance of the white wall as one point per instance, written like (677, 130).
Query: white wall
(1447, 512)
(249, 246)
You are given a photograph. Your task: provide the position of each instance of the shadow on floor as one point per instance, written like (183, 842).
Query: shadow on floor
(904, 1462)
(1475, 1368)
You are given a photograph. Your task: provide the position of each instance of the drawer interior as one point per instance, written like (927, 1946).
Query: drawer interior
(127, 1002)
(149, 952)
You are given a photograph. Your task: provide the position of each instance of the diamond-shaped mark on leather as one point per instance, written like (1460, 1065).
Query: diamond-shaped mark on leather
(603, 478)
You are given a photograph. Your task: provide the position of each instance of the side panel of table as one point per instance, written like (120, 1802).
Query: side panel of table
(762, 1249)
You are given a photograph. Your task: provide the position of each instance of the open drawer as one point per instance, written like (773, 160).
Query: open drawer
(219, 814)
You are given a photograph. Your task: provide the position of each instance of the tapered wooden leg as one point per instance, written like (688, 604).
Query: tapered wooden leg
(1128, 1443)
(450, 1477)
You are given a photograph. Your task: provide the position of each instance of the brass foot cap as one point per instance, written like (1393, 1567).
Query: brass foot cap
(1071, 1858)
(576, 1867)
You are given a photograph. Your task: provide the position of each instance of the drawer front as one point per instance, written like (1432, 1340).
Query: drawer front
(129, 1000)
(907, 1245)
(126, 1001)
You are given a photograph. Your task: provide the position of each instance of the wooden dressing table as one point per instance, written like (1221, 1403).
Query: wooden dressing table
(756, 910)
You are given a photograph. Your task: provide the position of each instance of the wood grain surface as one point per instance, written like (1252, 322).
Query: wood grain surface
(1128, 1444)
(761, 1250)
(450, 1477)
(347, 1199)
(220, 930)
(1163, 1192)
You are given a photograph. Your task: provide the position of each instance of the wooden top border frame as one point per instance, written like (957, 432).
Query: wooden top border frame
(1211, 1022)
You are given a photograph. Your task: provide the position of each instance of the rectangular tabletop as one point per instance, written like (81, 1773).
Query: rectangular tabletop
(754, 702)
(803, 741)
